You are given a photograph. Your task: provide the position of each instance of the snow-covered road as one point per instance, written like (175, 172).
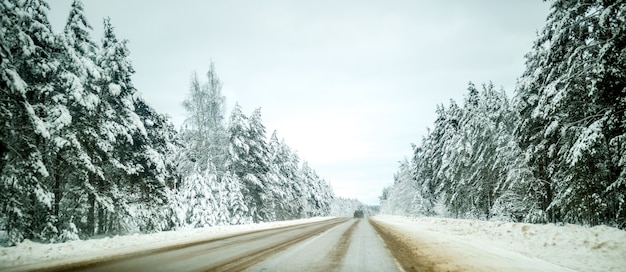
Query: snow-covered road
(339, 244)
(351, 246)
(233, 253)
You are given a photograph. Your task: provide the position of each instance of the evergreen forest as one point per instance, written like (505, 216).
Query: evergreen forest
(553, 152)
(82, 154)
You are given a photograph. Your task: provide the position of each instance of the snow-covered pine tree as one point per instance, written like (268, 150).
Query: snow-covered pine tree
(500, 161)
(238, 160)
(304, 190)
(80, 156)
(487, 131)
(427, 159)
(137, 140)
(237, 208)
(276, 184)
(27, 74)
(116, 123)
(289, 169)
(150, 187)
(259, 168)
(249, 160)
(448, 144)
(316, 195)
(324, 197)
(199, 199)
(571, 101)
(222, 202)
(460, 152)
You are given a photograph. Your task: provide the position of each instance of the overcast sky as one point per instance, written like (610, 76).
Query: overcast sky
(348, 84)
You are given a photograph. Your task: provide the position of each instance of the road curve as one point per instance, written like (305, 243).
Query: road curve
(340, 244)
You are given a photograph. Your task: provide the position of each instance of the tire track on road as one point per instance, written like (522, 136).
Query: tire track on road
(340, 249)
(404, 253)
(238, 263)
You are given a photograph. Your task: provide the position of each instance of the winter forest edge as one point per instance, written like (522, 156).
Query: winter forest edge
(82, 154)
(555, 152)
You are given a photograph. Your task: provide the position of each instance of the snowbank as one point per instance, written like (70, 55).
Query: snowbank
(472, 245)
(29, 255)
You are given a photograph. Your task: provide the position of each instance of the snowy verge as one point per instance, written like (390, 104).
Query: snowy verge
(473, 245)
(30, 255)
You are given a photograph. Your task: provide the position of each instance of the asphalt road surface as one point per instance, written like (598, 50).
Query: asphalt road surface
(341, 244)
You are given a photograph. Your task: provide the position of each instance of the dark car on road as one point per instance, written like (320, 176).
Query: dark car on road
(359, 214)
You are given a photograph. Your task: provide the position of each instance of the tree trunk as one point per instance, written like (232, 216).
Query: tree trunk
(91, 222)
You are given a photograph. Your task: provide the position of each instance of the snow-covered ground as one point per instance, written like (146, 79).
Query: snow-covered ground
(29, 255)
(472, 245)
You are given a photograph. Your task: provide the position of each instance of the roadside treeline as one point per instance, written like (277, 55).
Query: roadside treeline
(556, 152)
(82, 154)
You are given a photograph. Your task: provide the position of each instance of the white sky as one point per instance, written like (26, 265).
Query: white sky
(348, 84)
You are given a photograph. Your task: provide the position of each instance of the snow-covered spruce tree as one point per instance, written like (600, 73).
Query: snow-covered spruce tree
(284, 175)
(150, 187)
(220, 193)
(323, 198)
(239, 149)
(445, 174)
(28, 72)
(292, 175)
(236, 206)
(203, 198)
(572, 102)
(134, 142)
(260, 164)
(461, 154)
(249, 161)
(427, 160)
(200, 201)
(501, 173)
(118, 125)
(272, 196)
(288, 164)
(276, 181)
(78, 166)
(315, 194)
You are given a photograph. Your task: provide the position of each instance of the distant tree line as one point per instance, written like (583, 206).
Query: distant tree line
(82, 154)
(556, 152)
(345, 207)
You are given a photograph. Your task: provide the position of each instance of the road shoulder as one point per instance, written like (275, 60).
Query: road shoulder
(28, 256)
(418, 249)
